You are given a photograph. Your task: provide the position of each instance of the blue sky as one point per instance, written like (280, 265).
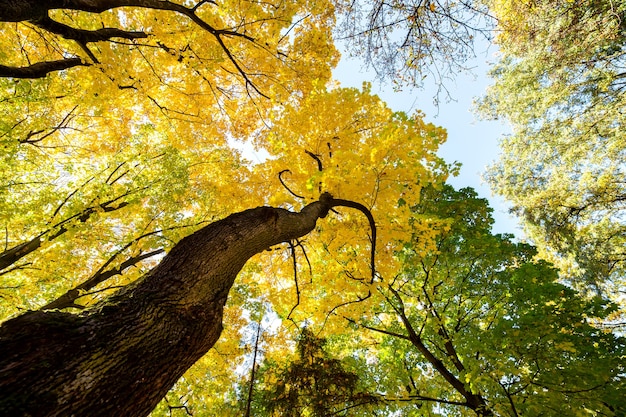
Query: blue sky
(471, 141)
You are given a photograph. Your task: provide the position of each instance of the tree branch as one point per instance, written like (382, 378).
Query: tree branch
(68, 299)
(370, 219)
(317, 159)
(280, 178)
(474, 401)
(374, 329)
(173, 316)
(37, 12)
(40, 69)
(12, 255)
(62, 125)
(85, 36)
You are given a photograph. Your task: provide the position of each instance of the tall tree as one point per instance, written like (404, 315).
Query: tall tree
(106, 164)
(98, 179)
(560, 82)
(477, 327)
(128, 352)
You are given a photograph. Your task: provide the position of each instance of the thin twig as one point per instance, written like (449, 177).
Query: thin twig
(295, 278)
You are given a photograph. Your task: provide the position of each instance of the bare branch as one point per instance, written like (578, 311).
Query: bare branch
(62, 125)
(295, 278)
(37, 13)
(68, 299)
(417, 397)
(85, 36)
(253, 369)
(15, 268)
(317, 159)
(338, 306)
(12, 255)
(374, 329)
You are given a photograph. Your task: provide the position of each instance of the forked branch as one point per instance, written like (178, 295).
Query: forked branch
(37, 13)
(338, 202)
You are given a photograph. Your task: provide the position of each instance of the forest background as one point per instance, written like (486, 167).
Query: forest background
(366, 285)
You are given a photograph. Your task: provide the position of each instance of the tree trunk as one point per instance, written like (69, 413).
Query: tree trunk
(122, 356)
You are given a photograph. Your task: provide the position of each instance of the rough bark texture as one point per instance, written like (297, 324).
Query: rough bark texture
(122, 356)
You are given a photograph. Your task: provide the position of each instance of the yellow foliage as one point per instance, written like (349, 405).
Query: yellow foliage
(349, 143)
(126, 155)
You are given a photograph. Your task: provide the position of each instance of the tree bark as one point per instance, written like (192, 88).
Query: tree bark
(122, 356)
(40, 69)
(24, 10)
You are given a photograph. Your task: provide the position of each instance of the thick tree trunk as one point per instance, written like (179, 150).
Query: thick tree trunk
(122, 356)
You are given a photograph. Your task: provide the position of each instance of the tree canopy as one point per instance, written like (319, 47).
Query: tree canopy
(478, 327)
(138, 136)
(407, 41)
(560, 82)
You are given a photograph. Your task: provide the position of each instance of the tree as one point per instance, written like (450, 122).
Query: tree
(143, 317)
(312, 384)
(560, 82)
(407, 41)
(477, 327)
(130, 350)
(99, 180)
(134, 128)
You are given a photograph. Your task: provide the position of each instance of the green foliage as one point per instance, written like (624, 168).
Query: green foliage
(561, 83)
(486, 315)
